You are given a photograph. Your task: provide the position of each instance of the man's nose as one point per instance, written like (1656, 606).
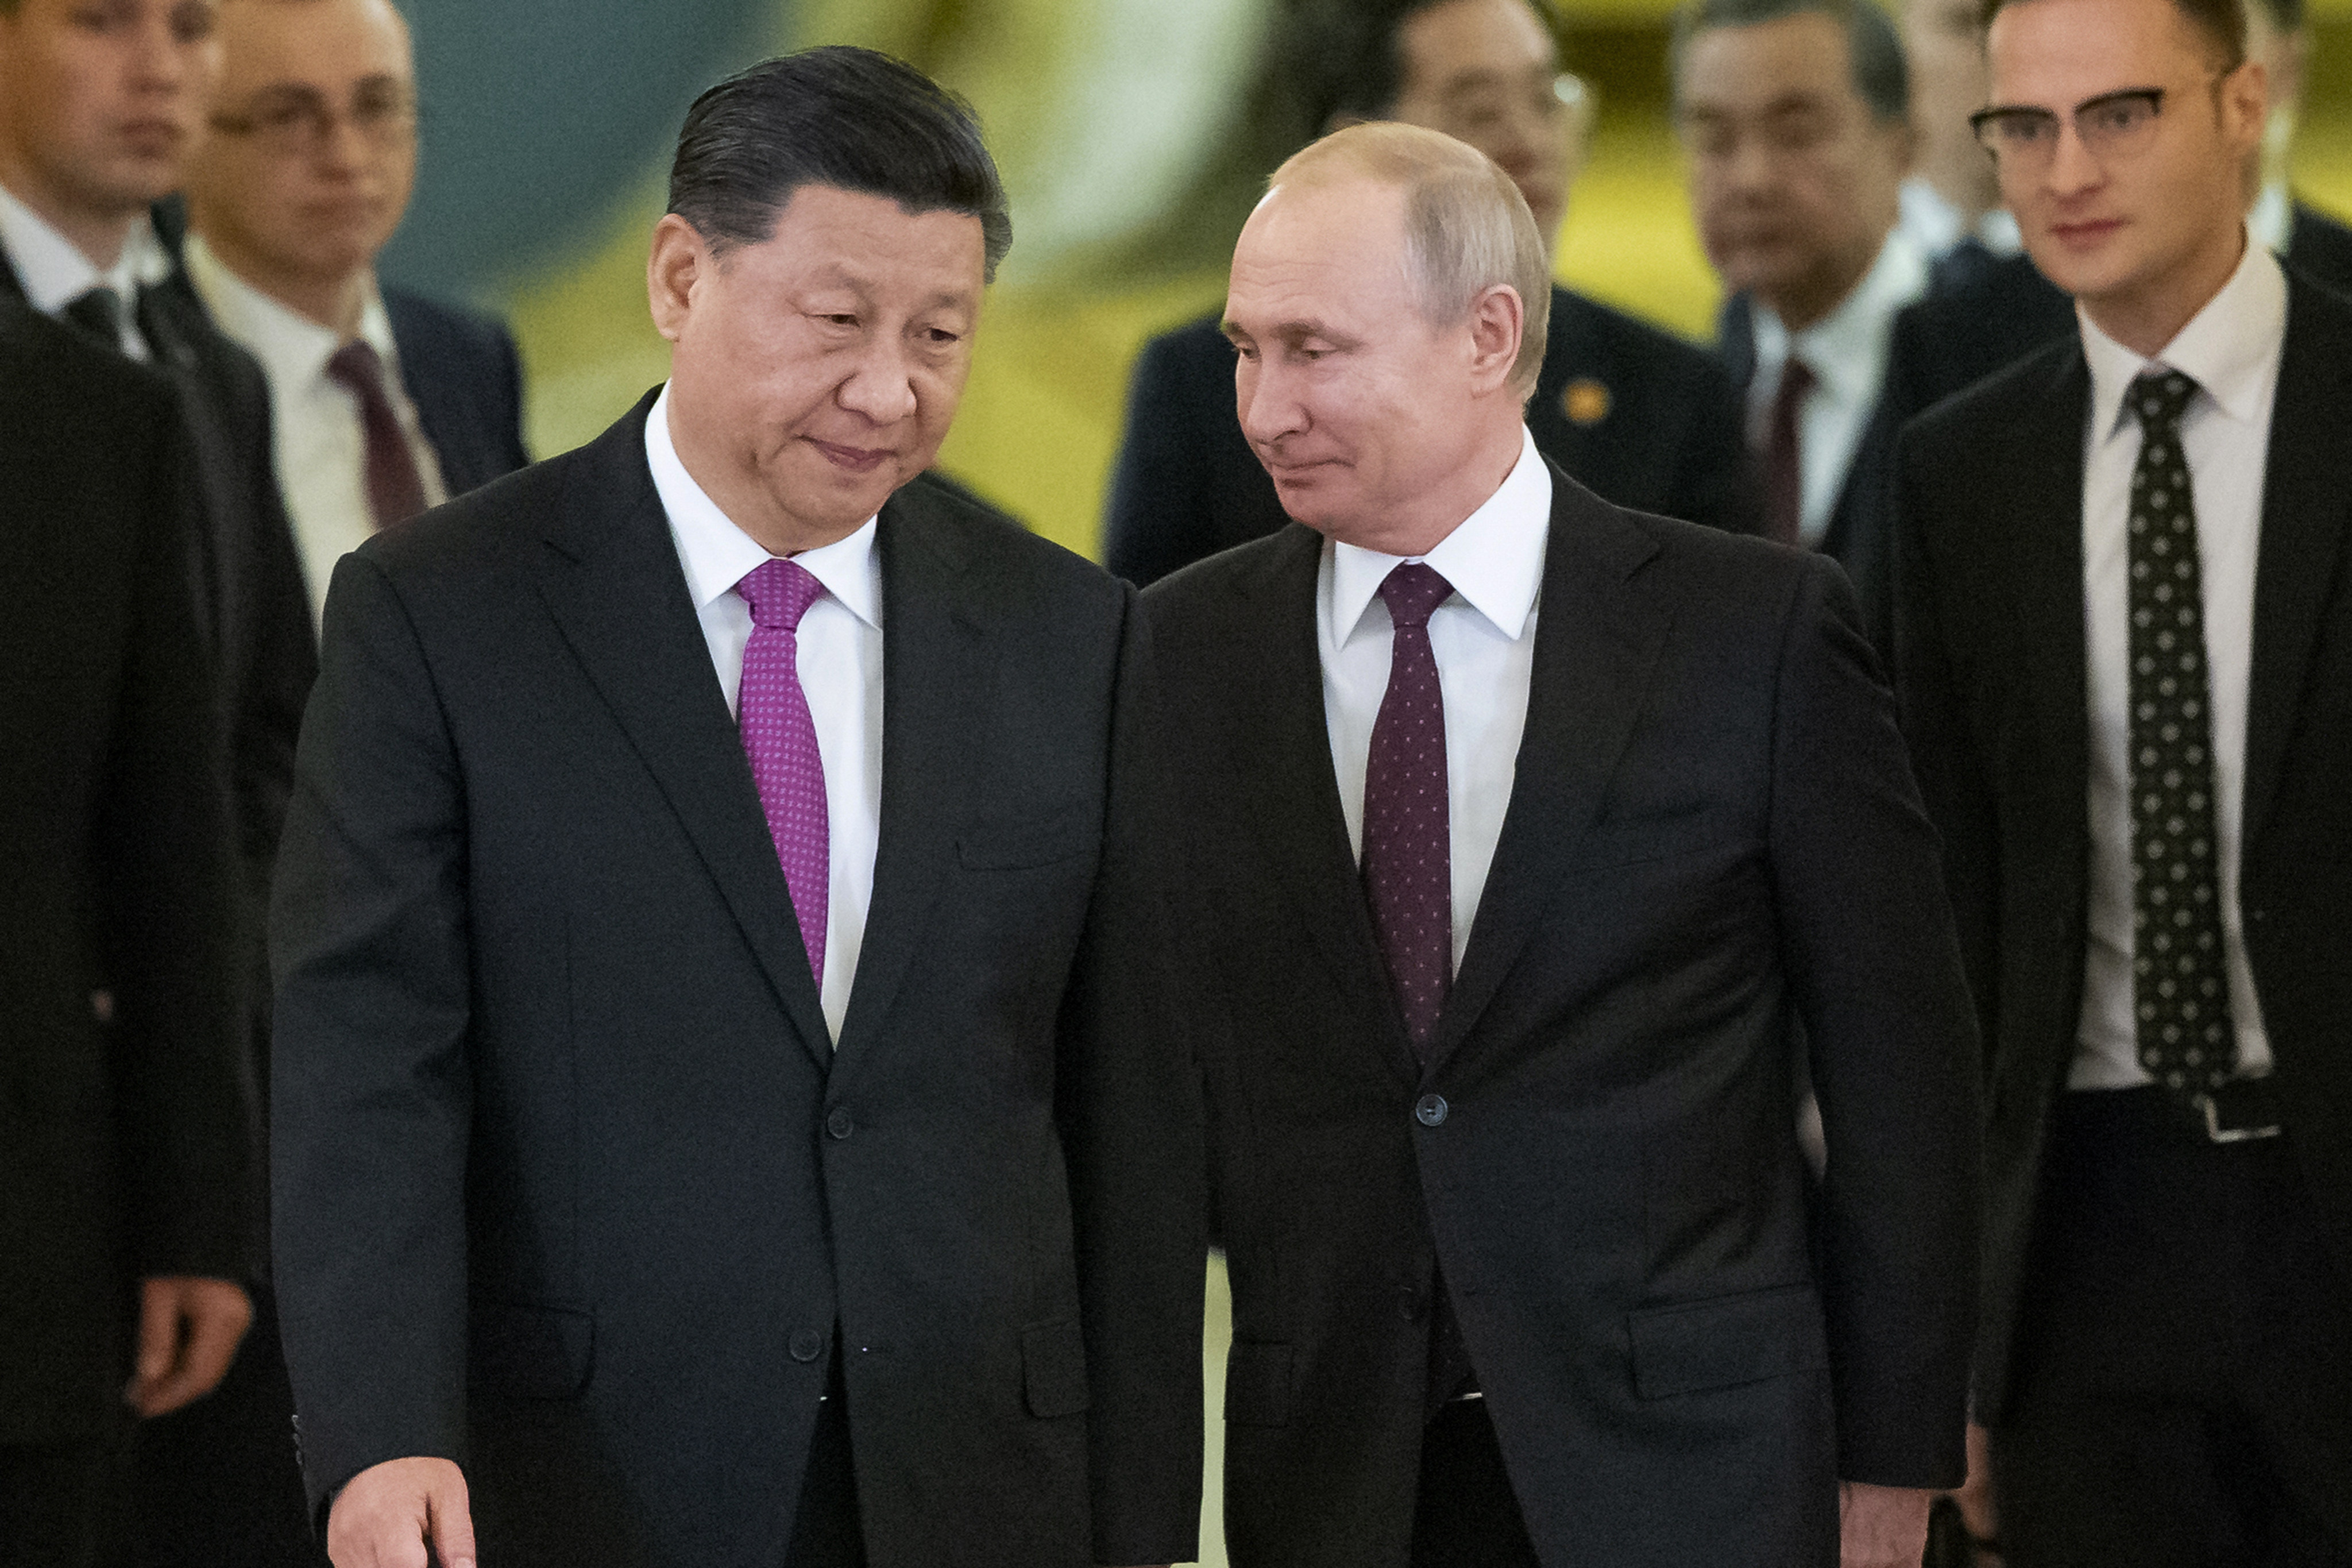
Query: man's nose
(882, 384)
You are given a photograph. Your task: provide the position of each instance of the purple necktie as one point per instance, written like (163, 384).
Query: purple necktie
(780, 738)
(1408, 863)
(394, 489)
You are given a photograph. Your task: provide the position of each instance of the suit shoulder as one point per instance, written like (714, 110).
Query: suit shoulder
(1202, 586)
(1988, 407)
(40, 358)
(479, 527)
(1187, 358)
(415, 317)
(1624, 338)
(990, 535)
(2320, 248)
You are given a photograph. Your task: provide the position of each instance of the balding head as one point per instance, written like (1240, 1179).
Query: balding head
(1388, 301)
(1467, 227)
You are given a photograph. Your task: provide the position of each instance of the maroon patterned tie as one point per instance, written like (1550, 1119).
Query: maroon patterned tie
(396, 491)
(1408, 862)
(1784, 474)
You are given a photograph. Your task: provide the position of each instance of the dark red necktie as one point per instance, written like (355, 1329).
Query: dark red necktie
(396, 490)
(1408, 863)
(1784, 474)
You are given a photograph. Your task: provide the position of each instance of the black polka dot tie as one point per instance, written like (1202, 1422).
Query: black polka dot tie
(1408, 864)
(2181, 993)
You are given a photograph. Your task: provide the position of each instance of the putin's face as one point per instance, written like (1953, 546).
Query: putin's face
(2151, 206)
(816, 371)
(306, 166)
(1363, 411)
(101, 101)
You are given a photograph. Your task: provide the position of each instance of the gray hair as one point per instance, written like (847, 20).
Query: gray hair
(1467, 227)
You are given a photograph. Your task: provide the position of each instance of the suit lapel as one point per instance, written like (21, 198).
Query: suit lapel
(1278, 751)
(2306, 514)
(1598, 635)
(613, 582)
(937, 665)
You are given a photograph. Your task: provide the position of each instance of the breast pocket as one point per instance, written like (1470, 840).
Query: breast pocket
(1694, 1347)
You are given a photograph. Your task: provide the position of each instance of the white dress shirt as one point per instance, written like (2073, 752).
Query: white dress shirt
(2230, 349)
(1484, 635)
(55, 272)
(1847, 351)
(321, 444)
(840, 667)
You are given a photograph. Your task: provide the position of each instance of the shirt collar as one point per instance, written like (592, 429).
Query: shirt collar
(1493, 558)
(1844, 348)
(292, 347)
(717, 554)
(54, 271)
(2228, 349)
(2272, 221)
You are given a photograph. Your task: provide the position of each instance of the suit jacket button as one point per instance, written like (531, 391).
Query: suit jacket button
(807, 1346)
(840, 1124)
(1430, 1109)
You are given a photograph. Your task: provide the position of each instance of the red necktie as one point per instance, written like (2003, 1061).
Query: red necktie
(1784, 474)
(396, 491)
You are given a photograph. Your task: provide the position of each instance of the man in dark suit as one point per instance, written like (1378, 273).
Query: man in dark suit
(1523, 831)
(385, 402)
(1795, 114)
(700, 1136)
(1638, 415)
(124, 1130)
(2125, 658)
(1983, 314)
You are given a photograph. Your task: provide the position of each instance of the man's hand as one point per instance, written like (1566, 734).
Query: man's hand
(388, 1514)
(188, 1333)
(1975, 1496)
(1881, 1526)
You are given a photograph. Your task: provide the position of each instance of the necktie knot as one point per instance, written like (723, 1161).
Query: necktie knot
(99, 312)
(1412, 593)
(780, 593)
(2160, 397)
(357, 368)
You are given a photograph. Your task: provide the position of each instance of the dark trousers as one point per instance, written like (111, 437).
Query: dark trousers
(2184, 1397)
(826, 1533)
(1466, 1514)
(218, 1482)
(53, 1500)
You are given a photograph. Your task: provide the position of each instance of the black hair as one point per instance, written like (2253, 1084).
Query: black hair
(848, 118)
(1873, 45)
(1349, 55)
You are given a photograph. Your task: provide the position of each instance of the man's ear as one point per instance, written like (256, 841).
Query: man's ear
(1498, 320)
(679, 259)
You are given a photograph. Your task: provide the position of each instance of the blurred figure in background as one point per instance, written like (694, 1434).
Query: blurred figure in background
(124, 1131)
(1795, 115)
(2124, 657)
(1981, 317)
(383, 403)
(1952, 201)
(1646, 420)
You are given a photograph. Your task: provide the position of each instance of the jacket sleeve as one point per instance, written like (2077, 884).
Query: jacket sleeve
(373, 1097)
(1868, 942)
(1131, 1113)
(169, 915)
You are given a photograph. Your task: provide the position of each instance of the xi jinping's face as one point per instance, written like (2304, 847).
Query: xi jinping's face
(817, 371)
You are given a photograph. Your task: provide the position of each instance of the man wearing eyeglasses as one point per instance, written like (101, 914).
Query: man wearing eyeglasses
(1645, 419)
(2124, 651)
(383, 403)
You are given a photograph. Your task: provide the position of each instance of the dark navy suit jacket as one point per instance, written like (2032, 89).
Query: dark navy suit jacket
(463, 373)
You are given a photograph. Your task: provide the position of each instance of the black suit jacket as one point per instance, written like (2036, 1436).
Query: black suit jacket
(1713, 835)
(1992, 659)
(255, 611)
(462, 375)
(570, 1182)
(122, 1147)
(2001, 310)
(1652, 426)
(1857, 537)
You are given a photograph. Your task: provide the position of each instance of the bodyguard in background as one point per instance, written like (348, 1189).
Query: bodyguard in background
(706, 1130)
(1522, 831)
(2125, 649)
(124, 1130)
(1795, 116)
(1640, 415)
(383, 403)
